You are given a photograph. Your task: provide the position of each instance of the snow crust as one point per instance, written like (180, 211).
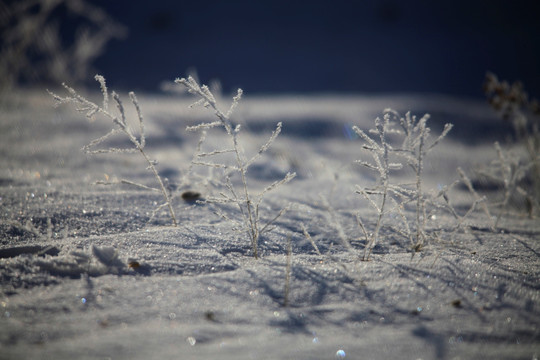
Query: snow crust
(87, 273)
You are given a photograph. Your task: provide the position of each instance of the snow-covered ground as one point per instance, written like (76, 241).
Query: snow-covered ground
(86, 272)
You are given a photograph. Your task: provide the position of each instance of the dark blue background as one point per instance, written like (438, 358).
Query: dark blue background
(276, 46)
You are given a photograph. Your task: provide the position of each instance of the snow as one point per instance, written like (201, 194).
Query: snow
(98, 278)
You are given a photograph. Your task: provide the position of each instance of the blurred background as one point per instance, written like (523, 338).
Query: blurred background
(273, 46)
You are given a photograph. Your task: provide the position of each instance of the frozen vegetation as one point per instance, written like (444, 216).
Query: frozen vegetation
(195, 232)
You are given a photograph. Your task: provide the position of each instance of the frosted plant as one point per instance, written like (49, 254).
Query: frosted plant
(514, 106)
(120, 126)
(308, 236)
(288, 272)
(248, 203)
(436, 202)
(388, 196)
(415, 148)
(477, 198)
(377, 196)
(334, 221)
(32, 45)
(511, 170)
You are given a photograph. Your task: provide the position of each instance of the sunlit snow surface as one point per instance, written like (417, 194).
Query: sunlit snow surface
(99, 279)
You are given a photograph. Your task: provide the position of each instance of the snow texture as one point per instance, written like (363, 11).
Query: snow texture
(86, 272)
